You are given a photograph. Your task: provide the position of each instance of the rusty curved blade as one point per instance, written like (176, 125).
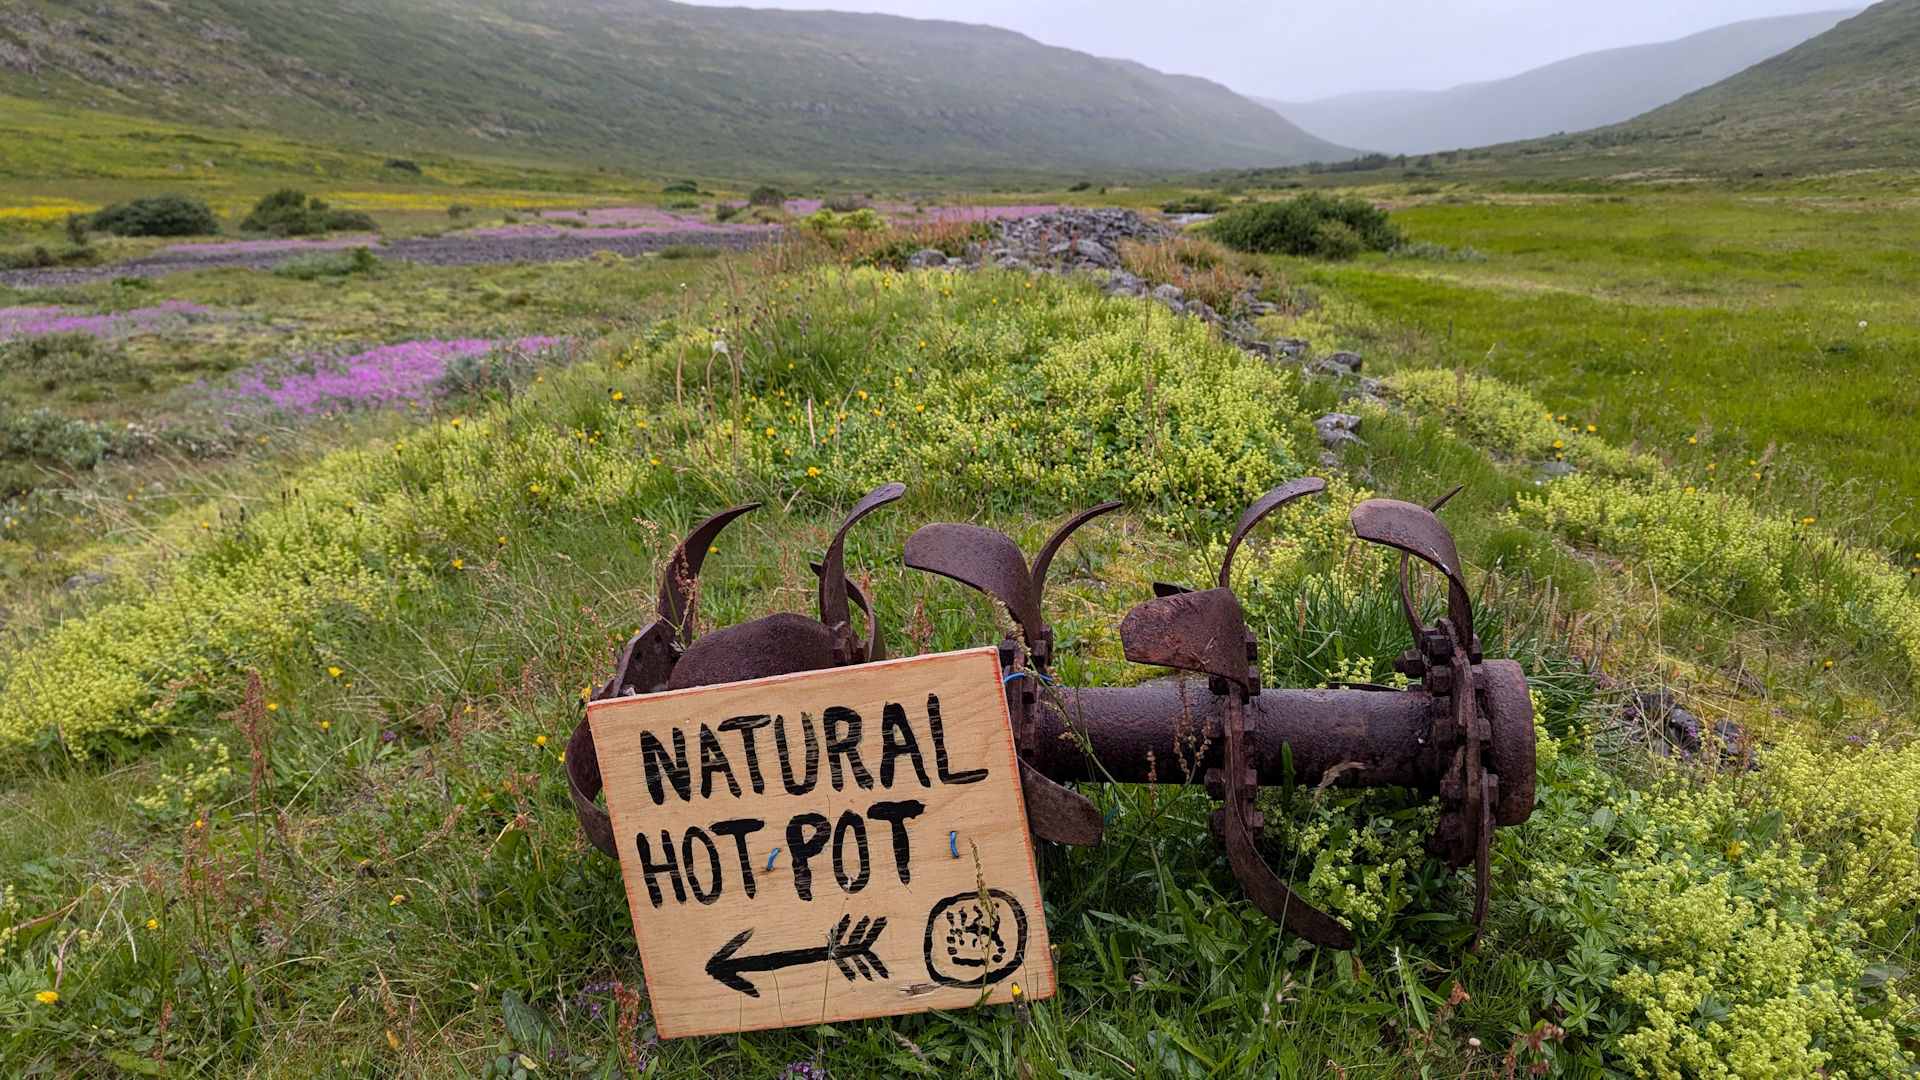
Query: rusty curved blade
(682, 572)
(645, 662)
(1192, 631)
(1406, 592)
(1483, 857)
(981, 558)
(876, 649)
(1265, 888)
(776, 644)
(833, 575)
(1264, 505)
(1056, 813)
(1272, 896)
(583, 783)
(1044, 560)
(1414, 530)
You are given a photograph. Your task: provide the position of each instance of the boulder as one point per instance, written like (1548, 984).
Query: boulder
(926, 258)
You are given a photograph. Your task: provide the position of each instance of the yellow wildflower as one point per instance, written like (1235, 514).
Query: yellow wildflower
(47, 997)
(539, 740)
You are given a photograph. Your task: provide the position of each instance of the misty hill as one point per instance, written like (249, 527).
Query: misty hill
(1582, 92)
(642, 85)
(1848, 98)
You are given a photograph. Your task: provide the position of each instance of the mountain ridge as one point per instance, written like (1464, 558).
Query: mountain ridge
(647, 86)
(1575, 94)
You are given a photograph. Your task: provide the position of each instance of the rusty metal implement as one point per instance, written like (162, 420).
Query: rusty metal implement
(1463, 731)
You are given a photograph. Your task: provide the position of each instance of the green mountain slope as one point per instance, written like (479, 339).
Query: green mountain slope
(636, 85)
(1853, 89)
(1847, 99)
(1575, 94)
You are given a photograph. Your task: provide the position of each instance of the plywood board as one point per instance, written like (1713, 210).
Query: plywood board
(903, 878)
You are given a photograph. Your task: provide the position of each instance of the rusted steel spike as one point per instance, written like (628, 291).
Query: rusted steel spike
(1044, 560)
(1193, 631)
(1264, 505)
(833, 575)
(985, 559)
(680, 577)
(1416, 531)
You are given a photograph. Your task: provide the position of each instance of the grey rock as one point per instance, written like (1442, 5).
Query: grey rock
(1093, 251)
(84, 581)
(1329, 459)
(926, 258)
(1350, 360)
(1201, 309)
(973, 253)
(1291, 347)
(1331, 364)
(1335, 429)
(1555, 468)
(1009, 262)
(1169, 294)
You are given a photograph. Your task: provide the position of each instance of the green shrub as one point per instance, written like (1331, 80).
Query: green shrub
(1293, 226)
(61, 356)
(38, 256)
(681, 187)
(289, 212)
(403, 165)
(347, 221)
(766, 195)
(1335, 239)
(45, 435)
(333, 264)
(688, 251)
(158, 215)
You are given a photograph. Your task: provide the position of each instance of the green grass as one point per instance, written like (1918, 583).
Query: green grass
(326, 900)
(1734, 322)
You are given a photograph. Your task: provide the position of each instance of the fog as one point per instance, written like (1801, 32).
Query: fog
(1303, 49)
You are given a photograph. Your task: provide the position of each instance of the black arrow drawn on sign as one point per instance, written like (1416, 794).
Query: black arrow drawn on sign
(849, 945)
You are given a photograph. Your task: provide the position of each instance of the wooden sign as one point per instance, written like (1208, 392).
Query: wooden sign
(826, 845)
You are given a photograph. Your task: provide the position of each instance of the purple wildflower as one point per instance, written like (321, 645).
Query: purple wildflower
(387, 375)
(38, 321)
(389, 736)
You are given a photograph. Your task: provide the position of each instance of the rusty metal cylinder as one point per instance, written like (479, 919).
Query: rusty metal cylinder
(1169, 733)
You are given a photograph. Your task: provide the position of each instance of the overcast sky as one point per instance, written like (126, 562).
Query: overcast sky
(1297, 50)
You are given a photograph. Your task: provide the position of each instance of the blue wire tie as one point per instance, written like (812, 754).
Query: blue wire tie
(1110, 815)
(1016, 674)
(770, 858)
(953, 842)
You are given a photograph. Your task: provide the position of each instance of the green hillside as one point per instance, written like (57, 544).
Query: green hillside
(646, 86)
(1849, 98)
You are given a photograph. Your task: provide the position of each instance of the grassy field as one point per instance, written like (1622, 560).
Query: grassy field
(1731, 334)
(282, 791)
